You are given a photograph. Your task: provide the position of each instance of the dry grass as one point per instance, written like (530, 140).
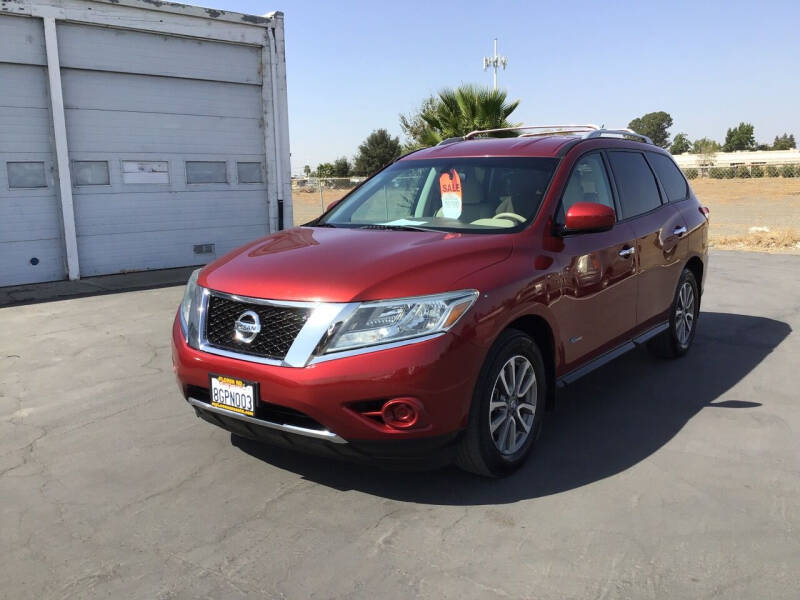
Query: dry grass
(737, 205)
(762, 241)
(308, 205)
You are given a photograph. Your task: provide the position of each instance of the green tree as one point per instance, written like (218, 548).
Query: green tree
(341, 167)
(740, 137)
(705, 146)
(414, 126)
(324, 170)
(707, 149)
(654, 125)
(680, 144)
(307, 170)
(377, 151)
(456, 112)
(784, 142)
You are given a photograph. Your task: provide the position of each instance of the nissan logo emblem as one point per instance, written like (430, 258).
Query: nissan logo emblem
(246, 327)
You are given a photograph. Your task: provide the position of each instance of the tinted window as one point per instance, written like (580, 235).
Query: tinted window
(635, 182)
(587, 183)
(670, 176)
(26, 175)
(249, 172)
(90, 172)
(203, 171)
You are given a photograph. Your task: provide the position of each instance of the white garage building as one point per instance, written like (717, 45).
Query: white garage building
(137, 134)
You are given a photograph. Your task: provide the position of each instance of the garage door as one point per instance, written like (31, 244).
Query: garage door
(31, 245)
(166, 146)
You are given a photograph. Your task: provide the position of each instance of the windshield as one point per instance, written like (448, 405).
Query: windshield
(481, 195)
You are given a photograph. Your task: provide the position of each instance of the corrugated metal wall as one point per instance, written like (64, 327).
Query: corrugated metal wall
(152, 98)
(31, 245)
(169, 132)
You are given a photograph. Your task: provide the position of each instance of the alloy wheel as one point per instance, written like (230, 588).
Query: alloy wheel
(513, 405)
(684, 314)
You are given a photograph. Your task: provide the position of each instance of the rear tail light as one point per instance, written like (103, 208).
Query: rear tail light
(704, 211)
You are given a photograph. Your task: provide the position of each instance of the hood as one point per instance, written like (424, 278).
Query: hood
(344, 265)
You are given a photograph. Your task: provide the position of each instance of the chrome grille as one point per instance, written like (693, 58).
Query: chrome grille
(279, 327)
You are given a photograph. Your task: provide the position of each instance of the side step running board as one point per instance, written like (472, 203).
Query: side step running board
(601, 360)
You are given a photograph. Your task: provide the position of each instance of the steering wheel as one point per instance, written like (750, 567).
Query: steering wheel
(510, 215)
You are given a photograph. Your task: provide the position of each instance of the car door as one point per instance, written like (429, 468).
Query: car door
(597, 308)
(657, 226)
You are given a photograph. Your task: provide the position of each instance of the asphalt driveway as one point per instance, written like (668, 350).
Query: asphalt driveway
(652, 479)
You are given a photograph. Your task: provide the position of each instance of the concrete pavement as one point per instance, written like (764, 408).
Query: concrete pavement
(652, 479)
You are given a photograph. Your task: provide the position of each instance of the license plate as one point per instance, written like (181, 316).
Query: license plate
(234, 394)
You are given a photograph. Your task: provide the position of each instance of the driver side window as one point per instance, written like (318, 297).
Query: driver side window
(587, 183)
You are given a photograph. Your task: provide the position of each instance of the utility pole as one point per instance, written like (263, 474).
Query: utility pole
(495, 62)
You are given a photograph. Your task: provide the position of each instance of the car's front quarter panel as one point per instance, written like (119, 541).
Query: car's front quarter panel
(527, 284)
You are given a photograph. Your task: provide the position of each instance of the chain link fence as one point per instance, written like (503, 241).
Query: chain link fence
(313, 195)
(743, 171)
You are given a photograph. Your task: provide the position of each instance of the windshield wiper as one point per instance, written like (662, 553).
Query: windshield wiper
(399, 228)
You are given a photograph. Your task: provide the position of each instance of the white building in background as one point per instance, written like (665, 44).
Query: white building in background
(734, 159)
(137, 135)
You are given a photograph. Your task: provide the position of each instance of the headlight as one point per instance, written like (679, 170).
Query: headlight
(389, 321)
(186, 303)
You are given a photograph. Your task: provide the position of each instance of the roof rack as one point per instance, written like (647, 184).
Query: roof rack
(587, 131)
(619, 133)
(553, 128)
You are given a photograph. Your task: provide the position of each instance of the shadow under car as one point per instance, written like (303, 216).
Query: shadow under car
(603, 424)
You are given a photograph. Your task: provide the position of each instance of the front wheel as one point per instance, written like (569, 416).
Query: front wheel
(507, 406)
(678, 338)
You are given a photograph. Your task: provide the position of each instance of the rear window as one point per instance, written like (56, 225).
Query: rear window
(635, 182)
(670, 176)
(481, 195)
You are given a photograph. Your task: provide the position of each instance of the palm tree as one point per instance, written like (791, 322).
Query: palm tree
(458, 111)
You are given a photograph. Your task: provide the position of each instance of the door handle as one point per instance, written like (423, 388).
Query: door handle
(680, 230)
(626, 252)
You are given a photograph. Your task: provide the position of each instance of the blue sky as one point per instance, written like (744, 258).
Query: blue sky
(354, 66)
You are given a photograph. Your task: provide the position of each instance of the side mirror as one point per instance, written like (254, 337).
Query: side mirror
(332, 204)
(587, 217)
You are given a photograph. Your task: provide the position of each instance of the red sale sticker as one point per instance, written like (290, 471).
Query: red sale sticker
(450, 187)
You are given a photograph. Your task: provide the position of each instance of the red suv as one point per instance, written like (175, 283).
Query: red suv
(434, 310)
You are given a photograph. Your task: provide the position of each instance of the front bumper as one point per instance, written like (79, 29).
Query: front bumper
(427, 451)
(440, 373)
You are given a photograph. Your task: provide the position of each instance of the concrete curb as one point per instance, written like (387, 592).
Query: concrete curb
(93, 286)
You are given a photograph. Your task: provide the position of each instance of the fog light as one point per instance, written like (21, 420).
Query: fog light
(400, 413)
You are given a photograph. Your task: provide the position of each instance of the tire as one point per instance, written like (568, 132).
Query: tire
(675, 342)
(485, 449)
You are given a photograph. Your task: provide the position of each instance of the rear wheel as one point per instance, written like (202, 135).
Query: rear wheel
(506, 410)
(678, 338)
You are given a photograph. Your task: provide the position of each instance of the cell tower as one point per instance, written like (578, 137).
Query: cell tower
(495, 62)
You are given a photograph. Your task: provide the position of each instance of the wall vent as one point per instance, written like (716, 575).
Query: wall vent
(204, 249)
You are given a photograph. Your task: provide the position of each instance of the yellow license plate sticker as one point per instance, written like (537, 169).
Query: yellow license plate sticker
(235, 395)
